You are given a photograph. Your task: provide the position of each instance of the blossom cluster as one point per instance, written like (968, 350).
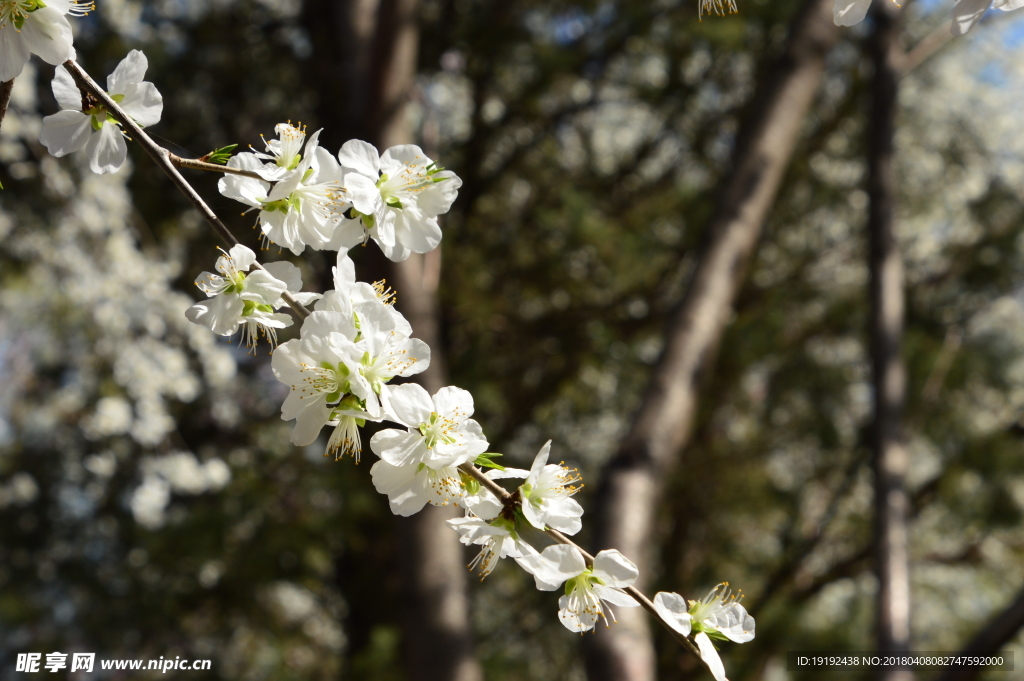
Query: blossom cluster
(354, 342)
(340, 370)
(307, 197)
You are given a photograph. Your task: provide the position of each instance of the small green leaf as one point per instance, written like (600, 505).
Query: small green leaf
(485, 460)
(219, 156)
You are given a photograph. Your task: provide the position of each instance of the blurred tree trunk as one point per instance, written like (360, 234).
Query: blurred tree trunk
(890, 456)
(367, 66)
(632, 485)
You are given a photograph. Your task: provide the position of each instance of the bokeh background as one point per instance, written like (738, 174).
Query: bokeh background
(152, 505)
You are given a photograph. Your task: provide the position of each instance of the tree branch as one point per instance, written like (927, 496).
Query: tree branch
(989, 640)
(196, 164)
(161, 157)
(639, 597)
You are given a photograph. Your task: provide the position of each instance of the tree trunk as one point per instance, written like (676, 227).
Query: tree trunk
(890, 456)
(372, 73)
(631, 487)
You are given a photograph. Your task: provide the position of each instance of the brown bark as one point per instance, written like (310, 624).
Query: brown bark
(890, 456)
(633, 482)
(373, 75)
(989, 641)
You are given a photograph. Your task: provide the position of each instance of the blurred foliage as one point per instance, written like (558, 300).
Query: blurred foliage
(590, 137)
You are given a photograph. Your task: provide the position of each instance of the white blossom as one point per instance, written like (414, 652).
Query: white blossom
(239, 298)
(480, 501)
(283, 154)
(304, 207)
(349, 295)
(547, 495)
(395, 197)
(498, 537)
(718, 616)
(30, 27)
(84, 121)
(409, 488)
(317, 368)
(439, 431)
(587, 589)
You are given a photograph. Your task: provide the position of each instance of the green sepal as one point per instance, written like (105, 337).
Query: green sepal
(394, 202)
(97, 124)
(472, 485)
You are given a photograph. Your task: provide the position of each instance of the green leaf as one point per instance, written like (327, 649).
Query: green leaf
(219, 156)
(485, 461)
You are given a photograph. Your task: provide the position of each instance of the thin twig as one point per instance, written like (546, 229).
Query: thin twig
(504, 495)
(161, 157)
(196, 164)
(926, 48)
(6, 89)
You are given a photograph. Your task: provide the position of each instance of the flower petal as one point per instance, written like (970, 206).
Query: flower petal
(405, 490)
(850, 12)
(673, 610)
(131, 70)
(361, 157)
(575, 621)
(411, 404)
(144, 103)
(615, 597)
(397, 447)
(966, 13)
(454, 403)
(13, 55)
(65, 132)
(47, 33)
(107, 150)
(552, 566)
(220, 314)
(614, 569)
(65, 91)
(710, 656)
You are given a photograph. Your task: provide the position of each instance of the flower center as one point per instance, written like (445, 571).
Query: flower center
(582, 597)
(436, 430)
(408, 181)
(285, 149)
(16, 11)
